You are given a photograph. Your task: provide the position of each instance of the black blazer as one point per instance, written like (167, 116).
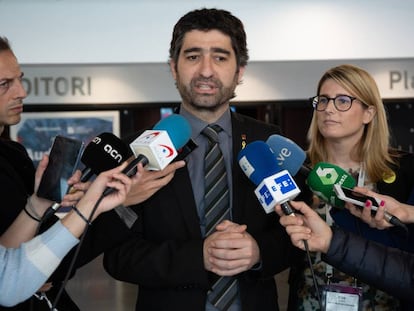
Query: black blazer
(16, 179)
(165, 257)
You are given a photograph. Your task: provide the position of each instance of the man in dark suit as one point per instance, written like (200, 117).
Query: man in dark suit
(171, 257)
(17, 175)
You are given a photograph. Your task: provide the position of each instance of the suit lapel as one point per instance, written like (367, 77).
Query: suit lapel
(184, 192)
(239, 137)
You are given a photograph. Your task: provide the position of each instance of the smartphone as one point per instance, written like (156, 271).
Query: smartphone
(64, 157)
(358, 199)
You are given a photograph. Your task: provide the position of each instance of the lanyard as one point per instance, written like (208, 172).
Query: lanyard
(329, 221)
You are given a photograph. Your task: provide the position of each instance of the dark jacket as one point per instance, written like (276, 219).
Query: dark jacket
(16, 179)
(166, 256)
(386, 268)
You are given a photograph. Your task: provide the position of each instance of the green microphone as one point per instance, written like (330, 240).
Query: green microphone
(322, 178)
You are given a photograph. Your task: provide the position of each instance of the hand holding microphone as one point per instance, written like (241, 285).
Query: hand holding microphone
(275, 190)
(291, 158)
(103, 153)
(306, 226)
(334, 185)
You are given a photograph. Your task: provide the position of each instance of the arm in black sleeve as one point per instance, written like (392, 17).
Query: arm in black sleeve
(388, 269)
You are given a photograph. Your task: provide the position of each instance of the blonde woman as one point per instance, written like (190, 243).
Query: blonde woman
(349, 129)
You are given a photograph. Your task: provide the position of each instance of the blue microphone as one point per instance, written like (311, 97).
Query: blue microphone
(257, 161)
(289, 155)
(274, 186)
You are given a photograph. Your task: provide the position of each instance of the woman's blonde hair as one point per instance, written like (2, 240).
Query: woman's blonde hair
(373, 148)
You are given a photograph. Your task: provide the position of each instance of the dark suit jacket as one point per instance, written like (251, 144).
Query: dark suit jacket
(165, 257)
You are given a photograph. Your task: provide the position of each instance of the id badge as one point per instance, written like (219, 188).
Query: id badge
(336, 297)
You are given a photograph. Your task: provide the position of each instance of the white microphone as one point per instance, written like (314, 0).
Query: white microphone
(158, 147)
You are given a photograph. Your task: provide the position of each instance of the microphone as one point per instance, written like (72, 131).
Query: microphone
(274, 187)
(257, 161)
(320, 179)
(289, 155)
(323, 177)
(334, 185)
(103, 153)
(158, 147)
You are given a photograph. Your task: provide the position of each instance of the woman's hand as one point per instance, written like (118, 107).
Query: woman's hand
(306, 225)
(386, 204)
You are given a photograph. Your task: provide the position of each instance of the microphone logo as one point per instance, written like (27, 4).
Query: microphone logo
(167, 151)
(276, 189)
(97, 140)
(327, 175)
(285, 184)
(113, 153)
(151, 135)
(283, 154)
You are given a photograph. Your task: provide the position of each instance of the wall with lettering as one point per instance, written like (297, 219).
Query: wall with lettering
(152, 83)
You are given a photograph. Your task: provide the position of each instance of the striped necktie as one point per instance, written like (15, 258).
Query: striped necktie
(217, 209)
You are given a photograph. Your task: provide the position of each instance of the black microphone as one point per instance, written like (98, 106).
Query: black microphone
(103, 153)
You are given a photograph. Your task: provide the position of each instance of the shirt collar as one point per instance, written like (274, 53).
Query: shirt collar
(197, 125)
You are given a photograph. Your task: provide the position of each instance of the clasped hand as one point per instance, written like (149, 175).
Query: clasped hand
(230, 250)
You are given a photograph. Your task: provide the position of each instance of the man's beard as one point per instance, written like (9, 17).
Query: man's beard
(206, 102)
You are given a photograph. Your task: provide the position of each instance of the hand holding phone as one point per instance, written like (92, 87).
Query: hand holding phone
(356, 198)
(359, 199)
(63, 159)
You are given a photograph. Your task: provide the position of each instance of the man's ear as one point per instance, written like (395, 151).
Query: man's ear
(241, 74)
(172, 68)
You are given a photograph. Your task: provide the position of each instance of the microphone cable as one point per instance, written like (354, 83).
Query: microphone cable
(288, 211)
(129, 170)
(315, 282)
(76, 254)
(48, 213)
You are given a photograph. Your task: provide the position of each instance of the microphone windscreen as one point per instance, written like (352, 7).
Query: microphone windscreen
(257, 161)
(289, 156)
(177, 127)
(105, 152)
(322, 178)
